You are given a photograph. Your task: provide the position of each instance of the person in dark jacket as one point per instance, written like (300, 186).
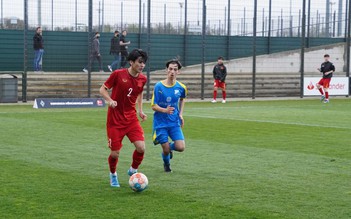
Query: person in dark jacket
(327, 68)
(38, 46)
(115, 51)
(124, 48)
(95, 53)
(219, 75)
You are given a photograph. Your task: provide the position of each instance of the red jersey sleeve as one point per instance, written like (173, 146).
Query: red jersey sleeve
(112, 80)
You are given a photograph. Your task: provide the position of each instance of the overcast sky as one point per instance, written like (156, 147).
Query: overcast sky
(64, 10)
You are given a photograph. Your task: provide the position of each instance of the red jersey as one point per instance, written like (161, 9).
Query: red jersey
(125, 91)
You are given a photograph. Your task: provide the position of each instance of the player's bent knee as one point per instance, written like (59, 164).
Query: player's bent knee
(115, 154)
(139, 146)
(180, 146)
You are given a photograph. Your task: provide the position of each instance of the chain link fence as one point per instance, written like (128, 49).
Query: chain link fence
(196, 31)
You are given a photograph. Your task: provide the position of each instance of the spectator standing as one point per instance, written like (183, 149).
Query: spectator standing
(95, 53)
(124, 48)
(115, 51)
(219, 75)
(38, 46)
(327, 69)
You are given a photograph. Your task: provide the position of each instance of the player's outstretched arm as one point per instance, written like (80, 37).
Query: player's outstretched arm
(142, 115)
(181, 110)
(104, 93)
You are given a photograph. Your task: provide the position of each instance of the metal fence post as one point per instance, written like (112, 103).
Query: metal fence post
(148, 48)
(269, 27)
(308, 24)
(302, 55)
(346, 19)
(139, 38)
(90, 28)
(25, 53)
(228, 33)
(327, 18)
(203, 49)
(348, 44)
(254, 51)
(185, 31)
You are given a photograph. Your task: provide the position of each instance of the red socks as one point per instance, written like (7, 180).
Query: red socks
(326, 95)
(321, 90)
(224, 94)
(112, 162)
(137, 159)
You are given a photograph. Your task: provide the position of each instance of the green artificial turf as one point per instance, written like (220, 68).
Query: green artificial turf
(255, 159)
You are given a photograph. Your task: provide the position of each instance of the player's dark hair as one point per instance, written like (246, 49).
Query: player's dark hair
(220, 58)
(116, 31)
(135, 54)
(174, 61)
(37, 28)
(326, 55)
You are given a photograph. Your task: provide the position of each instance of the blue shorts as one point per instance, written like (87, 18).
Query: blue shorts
(160, 136)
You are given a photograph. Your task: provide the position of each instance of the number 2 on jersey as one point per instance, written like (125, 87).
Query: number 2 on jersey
(130, 90)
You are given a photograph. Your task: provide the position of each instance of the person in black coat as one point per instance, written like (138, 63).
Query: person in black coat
(115, 51)
(219, 75)
(95, 53)
(38, 46)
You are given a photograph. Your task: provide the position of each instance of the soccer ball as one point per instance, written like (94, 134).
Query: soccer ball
(138, 182)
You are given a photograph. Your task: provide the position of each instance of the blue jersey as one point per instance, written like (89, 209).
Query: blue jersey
(164, 96)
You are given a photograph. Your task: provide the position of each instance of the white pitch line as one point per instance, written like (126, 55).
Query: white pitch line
(267, 121)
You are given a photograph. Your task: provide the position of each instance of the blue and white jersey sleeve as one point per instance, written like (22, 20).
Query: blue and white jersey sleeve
(184, 92)
(156, 95)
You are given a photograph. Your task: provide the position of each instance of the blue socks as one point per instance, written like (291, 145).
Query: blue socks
(172, 146)
(166, 158)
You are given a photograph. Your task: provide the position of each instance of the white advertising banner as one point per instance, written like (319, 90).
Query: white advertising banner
(338, 86)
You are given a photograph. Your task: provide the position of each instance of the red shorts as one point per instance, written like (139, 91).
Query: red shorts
(325, 82)
(115, 135)
(220, 84)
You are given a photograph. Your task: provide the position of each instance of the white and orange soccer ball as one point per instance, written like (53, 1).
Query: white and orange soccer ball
(138, 182)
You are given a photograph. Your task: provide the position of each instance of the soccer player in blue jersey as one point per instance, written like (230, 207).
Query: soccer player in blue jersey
(168, 104)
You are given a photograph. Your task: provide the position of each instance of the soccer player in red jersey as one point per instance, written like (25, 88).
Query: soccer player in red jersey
(127, 89)
(219, 75)
(327, 68)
